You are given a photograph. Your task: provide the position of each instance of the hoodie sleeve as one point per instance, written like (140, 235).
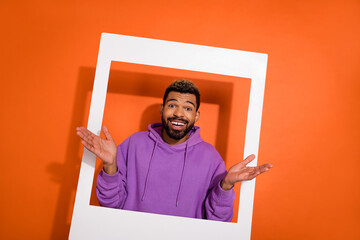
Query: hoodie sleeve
(111, 189)
(219, 203)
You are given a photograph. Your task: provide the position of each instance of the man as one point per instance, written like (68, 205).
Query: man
(169, 169)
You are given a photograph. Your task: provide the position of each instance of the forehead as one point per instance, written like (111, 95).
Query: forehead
(181, 97)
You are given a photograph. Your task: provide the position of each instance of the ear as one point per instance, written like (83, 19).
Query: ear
(197, 116)
(161, 109)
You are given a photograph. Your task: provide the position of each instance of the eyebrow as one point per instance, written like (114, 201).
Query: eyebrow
(173, 99)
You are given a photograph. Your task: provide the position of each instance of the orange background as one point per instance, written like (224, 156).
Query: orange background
(310, 126)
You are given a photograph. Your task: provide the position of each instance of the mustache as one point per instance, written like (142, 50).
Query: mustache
(176, 118)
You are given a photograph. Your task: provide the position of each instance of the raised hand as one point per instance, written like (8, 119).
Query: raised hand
(105, 149)
(239, 172)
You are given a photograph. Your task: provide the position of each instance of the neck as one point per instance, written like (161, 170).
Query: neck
(172, 141)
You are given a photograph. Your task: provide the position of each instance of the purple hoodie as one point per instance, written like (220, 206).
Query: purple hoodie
(179, 180)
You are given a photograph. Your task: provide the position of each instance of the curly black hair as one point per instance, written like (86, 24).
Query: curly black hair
(183, 86)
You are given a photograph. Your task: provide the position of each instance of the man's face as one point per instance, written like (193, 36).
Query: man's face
(179, 114)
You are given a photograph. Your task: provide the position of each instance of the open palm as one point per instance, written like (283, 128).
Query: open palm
(105, 149)
(239, 172)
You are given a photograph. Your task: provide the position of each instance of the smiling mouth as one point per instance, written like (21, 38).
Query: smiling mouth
(177, 124)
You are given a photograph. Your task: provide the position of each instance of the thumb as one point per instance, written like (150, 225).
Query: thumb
(247, 160)
(107, 133)
(243, 163)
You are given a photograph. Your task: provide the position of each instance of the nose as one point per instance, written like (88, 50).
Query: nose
(179, 112)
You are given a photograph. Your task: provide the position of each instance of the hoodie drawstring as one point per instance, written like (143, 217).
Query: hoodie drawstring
(182, 174)
(148, 172)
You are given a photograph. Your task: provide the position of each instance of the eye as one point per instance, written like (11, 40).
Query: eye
(188, 109)
(171, 105)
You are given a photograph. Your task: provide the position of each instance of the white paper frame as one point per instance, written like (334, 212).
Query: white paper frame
(93, 222)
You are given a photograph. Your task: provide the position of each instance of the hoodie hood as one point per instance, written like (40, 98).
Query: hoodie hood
(194, 137)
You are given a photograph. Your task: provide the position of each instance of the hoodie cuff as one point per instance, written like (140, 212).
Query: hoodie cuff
(223, 194)
(109, 178)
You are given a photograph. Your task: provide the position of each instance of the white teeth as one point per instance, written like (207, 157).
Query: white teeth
(177, 123)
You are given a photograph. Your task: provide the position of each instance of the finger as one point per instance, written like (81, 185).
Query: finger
(82, 132)
(255, 171)
(85, 131)
(86, 142)
(243, 163)
(107, 133)
(88, 147)
(89, 142)
(248, 160)
(265, 167)
(86, 135)
(247, 173)
(92, 148)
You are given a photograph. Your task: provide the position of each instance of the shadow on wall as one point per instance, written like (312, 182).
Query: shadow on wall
(67, 174)
(150, 115)
(127, 83)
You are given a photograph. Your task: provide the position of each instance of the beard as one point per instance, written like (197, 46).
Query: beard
(176, 134)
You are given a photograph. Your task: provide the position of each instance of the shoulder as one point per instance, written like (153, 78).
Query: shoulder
(139, 135)
(136, 138)
(206, 147)
(209, 152)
